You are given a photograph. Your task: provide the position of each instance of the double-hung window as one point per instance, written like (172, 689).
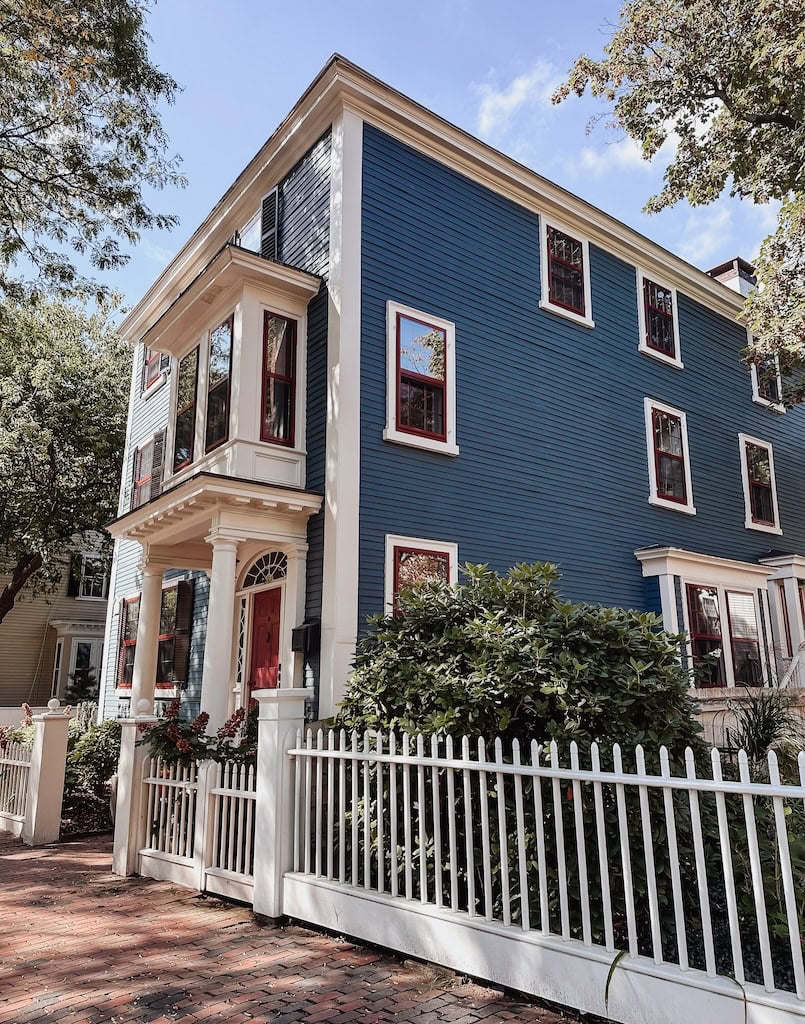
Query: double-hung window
(143, 474)
(411, 560)
(218, 385)
(151, 367)
(175, 623)
(668, 457)
(421, 387)
(94, 579)
(759, 485)
(767, 385)
(279, 379)
(184, 434)
(659, 324)
(724, 636)
(130, 615)
(565, 274)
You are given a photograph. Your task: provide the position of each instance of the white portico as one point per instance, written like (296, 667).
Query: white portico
(250, 539)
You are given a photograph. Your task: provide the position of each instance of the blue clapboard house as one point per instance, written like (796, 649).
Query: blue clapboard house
(389, 350)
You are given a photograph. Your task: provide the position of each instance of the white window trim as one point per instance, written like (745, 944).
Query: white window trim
(83, 597)
(726, 632)
(391, 431)
(757, 398)
(58, 658)
(158, 382)
(394, 541)
(643, 346)
(649, 404)
(545, 302)
(743, 440)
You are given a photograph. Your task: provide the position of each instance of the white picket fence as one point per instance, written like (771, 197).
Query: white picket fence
(535, 874)
(15, 767)
(199, 825)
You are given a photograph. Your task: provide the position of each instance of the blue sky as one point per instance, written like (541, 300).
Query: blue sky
(487, 66)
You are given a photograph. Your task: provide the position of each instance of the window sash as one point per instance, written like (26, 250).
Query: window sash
(93, 582)
(659, 315)
(569, 275)
(166, 641)
(400, 551)
(661, 454)
(218, 394)
(703, 643)
(142, 482)
(433, 390)
(152, 360)
(184, 434)
(279, 411)
(741, 645)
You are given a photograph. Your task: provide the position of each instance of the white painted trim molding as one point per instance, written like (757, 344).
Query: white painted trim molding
(749, 523)
(545, 291)
(393, 541)
(339, 614)
(643, 346)
(649, 405)
(392, 431)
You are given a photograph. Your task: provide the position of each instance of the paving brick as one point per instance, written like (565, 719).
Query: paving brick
(80, 946)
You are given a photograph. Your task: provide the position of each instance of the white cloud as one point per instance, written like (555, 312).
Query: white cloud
(157, 253)
(500, 106)
(705, 233)
(625, 153)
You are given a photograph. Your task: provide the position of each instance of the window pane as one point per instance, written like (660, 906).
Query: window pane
(165, 673)
(218, 385)
(419, 566)
(421, 407)
(671, 478)
(768, 381)
(659, 298)
(132, 617)
(565, 248)
(746, 661)
(127, 667)
(705, 636)
(668, 433)
(422, 348)
(167, 615)
(145, 461)
(703, 605)
(278, 409)
(185, 438)
(250, 235)
(759, 463)
(93, 578)
(83, 656)
(743, 619)
(279, 354)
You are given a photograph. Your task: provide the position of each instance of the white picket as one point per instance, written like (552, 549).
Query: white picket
(794, 937)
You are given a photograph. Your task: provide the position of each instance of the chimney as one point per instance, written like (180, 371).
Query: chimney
(736, 274)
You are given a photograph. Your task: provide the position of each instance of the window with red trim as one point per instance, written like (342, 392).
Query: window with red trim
(130, 610)
(143, 473)
(669, 456)
(565, 271)
(658, 304)
(421, 377)
(184, 435)
(706, 640)
(175, 622)
(151, 368)
(417, 565)
(768, 380)
(218, 385)
(761, 495)
(744, 639)
(279, 379)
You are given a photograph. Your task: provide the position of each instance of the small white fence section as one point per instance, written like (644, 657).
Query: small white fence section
(199, 825)
(535, 874)
(15, 767)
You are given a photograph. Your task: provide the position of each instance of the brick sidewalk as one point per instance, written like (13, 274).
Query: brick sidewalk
(81, 946)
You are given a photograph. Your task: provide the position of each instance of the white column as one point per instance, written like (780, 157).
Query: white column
(144, 676)
(220, 627)
(46, 777)
(294, 615)
(281, 715)
(127, 791)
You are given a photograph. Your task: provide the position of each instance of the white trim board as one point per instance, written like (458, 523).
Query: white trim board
(544, 300)
(417, 543)
(749, 523)
(649, 405)
(643, 346)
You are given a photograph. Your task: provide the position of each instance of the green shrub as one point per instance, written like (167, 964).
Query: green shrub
(93, 760)
(506, 656)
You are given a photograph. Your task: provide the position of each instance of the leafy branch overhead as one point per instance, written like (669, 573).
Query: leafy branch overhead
(725, 83)
(81, 140)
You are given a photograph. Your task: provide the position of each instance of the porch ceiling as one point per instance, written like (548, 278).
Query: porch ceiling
(179, 521)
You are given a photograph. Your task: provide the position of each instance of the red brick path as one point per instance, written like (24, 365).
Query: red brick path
(81, 946)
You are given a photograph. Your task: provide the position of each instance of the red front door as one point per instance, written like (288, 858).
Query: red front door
(265, 640)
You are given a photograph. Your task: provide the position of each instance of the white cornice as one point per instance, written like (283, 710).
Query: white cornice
(693, 565)
(342, 85)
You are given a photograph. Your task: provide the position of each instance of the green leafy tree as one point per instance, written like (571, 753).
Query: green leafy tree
(64, 382)
(726, 82)
(81, 140)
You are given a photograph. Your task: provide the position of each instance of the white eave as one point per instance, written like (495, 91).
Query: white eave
(231, 266)
(342, 84)
(678, 562)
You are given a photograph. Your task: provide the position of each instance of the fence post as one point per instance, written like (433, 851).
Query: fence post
(46, 776)
(203, 838)
(129, 813)
(281, 715)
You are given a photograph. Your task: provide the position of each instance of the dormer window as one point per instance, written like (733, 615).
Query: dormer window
(279, 379)
(218, 385)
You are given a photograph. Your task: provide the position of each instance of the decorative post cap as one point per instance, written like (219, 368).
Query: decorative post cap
(143, 707)
(53, 705)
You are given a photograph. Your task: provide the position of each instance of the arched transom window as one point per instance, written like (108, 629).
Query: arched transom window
(267, 569)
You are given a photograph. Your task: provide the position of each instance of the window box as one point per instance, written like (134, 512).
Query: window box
(670, 481)
(759, 485)
(659, 321)
(565, 273)
(421, 380)
(411, 560)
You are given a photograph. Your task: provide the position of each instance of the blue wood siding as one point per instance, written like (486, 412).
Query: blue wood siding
(304, 211)
(550, 420)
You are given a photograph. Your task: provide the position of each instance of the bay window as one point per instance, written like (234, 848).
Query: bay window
(724, 636)
(279, 379)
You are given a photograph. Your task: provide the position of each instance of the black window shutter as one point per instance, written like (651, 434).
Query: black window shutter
(133, 478)
(143, 368)
(74, 576)
(158, 465)
(269, 249)
(164, 362)
(181, 640)
(121, 651)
